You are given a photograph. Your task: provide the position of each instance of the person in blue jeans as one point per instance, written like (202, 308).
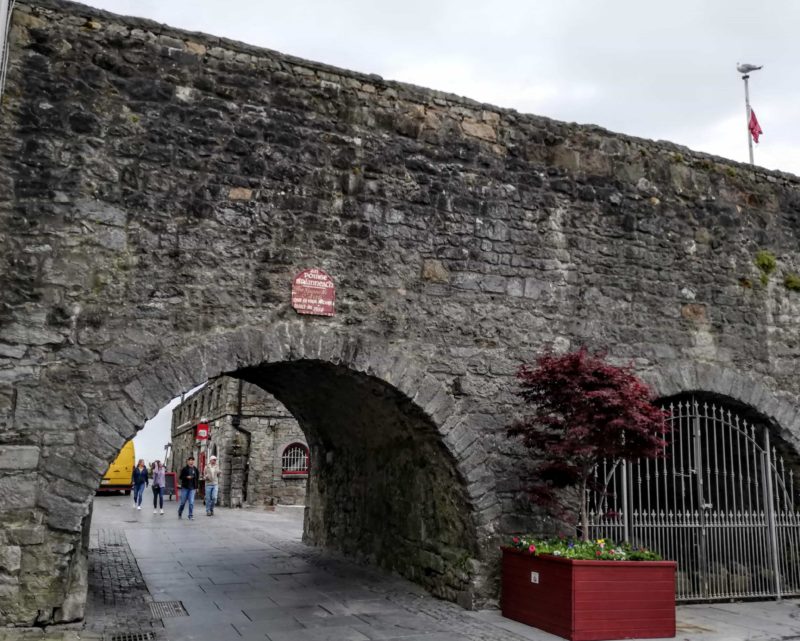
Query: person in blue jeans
(139, 482)
(159, 481)
(189, 478)
(211, 477)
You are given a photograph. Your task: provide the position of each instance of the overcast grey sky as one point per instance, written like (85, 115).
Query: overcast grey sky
(150, 441)
(658, 70)
(662, 71)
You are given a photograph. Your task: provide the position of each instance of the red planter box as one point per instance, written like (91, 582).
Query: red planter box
(590, 600)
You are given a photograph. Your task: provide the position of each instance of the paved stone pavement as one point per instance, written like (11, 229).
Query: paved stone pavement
(245, 575)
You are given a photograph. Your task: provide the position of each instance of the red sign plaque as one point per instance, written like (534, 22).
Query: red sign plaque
(201, 432)
(313, 292)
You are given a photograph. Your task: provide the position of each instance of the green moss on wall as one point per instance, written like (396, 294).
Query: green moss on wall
(792, 281)
(766, 263)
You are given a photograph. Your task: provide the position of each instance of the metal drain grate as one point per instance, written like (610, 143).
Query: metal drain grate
(162, 609)
(133, 636)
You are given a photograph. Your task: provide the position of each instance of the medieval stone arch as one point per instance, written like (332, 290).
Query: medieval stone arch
(446, 531)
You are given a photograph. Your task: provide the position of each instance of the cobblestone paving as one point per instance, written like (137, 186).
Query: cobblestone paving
(118, 599)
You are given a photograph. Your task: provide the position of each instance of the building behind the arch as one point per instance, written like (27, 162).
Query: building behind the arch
(261, 449)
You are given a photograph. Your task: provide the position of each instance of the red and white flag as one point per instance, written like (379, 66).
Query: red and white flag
(754, 127)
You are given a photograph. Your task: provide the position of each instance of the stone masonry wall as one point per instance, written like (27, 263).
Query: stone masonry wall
(159, 190)
(272, 428)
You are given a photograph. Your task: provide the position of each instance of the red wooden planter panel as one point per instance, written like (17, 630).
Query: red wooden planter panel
(590, 600)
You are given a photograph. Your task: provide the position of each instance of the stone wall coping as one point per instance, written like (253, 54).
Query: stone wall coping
(413, 92)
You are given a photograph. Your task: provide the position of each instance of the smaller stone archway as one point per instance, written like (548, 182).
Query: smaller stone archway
(721, 499)
(672, 379)
(389, 483)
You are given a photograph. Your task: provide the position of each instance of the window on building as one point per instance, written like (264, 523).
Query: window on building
(294, 461)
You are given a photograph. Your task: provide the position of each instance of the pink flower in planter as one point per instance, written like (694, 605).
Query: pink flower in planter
(515, 540)
(532, 548)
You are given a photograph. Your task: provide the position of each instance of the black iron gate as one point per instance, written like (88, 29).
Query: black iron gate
(720, 503)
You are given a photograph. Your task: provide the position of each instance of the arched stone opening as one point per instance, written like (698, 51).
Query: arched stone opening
(712, 403)
(382, 487)
(401, 455)
(723, 487)
(745, 393)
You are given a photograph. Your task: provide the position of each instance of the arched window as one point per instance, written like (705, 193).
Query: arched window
(294, 461)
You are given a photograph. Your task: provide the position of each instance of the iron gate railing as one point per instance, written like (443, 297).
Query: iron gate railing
(720, 502)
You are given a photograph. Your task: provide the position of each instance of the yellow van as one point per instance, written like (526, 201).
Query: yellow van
(118, 475)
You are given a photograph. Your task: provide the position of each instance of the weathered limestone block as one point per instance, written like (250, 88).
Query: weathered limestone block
(10, 556)
(18, 491)
(18, 457)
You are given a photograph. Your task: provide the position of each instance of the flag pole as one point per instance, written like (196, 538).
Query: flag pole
(745, 77)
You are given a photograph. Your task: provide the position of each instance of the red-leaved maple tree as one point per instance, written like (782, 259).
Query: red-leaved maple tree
(583, 410)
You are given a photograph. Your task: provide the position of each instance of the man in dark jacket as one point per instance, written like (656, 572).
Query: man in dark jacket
(189, 478)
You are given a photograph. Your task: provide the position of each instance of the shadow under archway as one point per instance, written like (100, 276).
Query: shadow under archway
(383, 488)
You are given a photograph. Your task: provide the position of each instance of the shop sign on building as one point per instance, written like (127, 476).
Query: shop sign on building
(313, 292)
(201, 433)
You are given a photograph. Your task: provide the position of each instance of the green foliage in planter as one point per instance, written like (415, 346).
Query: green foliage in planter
(597, 550)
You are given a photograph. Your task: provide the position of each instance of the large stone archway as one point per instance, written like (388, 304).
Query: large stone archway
(392, 477)
(160, 189)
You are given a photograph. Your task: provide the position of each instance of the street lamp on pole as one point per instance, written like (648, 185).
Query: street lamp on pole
(746, 69)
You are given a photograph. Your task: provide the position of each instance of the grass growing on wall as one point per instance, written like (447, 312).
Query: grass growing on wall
(766, 263)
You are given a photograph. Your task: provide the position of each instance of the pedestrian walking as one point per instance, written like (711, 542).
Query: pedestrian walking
(189, 478)
(211, 476)
(139, 482)
(159, 479)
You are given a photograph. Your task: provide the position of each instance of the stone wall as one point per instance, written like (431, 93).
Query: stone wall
(249, 431)
(160, 189)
